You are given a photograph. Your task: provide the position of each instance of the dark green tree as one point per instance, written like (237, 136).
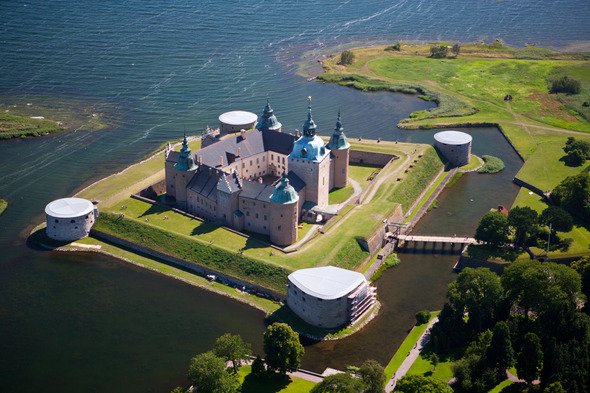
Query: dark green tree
(208, 375)
(573, 194)
(555, 388)
(347, 57)
(559, 219)
(567, 85)
(456, 49)
(282, 347)
(577, 151)
(477, 292)
(472, 375)
(500, 354)
(493, 228)
(434, 360)
(258, 368)
(582, 266)
(530, 359)
(422, 317)
(421, 384)
(439, 52)
(178, 390)
(339, 383)
(232, 348)
(373, 376)
(523, 220)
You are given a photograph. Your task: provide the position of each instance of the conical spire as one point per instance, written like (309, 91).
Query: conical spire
(185, 160)
(338, 139)
(268, 120)
(309, 127)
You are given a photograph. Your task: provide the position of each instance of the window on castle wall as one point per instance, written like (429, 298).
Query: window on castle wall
(56, 221)
(250, 162)
(264, 227)
(264, 220)
(72, 221)
(248, 214)
(263, 159)
(279, 228)
(248, 224)
(257, 161)
(256, 215)
(272, 157)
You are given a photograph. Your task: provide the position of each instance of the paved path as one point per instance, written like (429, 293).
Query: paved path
(411, 358)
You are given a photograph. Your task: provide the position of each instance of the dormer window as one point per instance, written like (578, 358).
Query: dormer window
(304, 153)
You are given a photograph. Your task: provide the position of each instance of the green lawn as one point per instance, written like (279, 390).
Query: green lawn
(340, 195)
(405, 347)
(3, 206)
(361, 172)
(271, 383)
(439, 180)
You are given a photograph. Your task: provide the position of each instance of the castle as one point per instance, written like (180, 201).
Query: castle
(263, 181)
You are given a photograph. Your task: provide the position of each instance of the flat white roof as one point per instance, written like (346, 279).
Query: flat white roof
(69, 208)
(327, 282)
(238, 118)
(452, 137)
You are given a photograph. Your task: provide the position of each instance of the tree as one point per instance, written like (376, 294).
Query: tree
(577, 151)
(456, 49)
(472, 375)
(500, 354)
(477, 292)
(555, 388)
(582, 266)
(565, 84)
(232, 348)
(339, 383)
(208, 375)
(282, 347)
(573, 194)
(422, 317)
(439, 52)
(347, 57)
(373, 376)
(258, 369)
(492, 228)
(530, 359)
(559, 219)
(434, 360)
(524, 222)
(420, 384)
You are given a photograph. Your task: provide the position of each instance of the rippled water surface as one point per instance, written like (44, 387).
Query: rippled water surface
(155, 69)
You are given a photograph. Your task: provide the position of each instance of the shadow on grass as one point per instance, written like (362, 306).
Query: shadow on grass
(486, 252)
(154, 209)
(203, 228)
(269, 383)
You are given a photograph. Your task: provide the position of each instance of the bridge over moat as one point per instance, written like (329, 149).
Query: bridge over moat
(413, 241)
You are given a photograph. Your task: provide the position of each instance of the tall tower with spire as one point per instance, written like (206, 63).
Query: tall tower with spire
(179, 173)
(340, 149)
(284, 213)
(310, 160)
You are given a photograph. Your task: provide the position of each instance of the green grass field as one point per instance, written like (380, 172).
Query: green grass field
(271, 383)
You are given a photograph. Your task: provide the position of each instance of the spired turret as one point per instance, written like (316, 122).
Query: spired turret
(284, 213)
(268, 120)
(183, 172)
(340, 149)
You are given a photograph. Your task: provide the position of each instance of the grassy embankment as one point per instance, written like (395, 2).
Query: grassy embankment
(3, 206)
(22, 117)
(470, 90)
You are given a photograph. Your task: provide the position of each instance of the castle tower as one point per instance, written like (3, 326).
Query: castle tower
(182, 173)
(310, 160)
(284, 215)
(340, 150)
(268, 120)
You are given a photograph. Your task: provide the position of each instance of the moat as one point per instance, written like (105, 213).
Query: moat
(87, 322)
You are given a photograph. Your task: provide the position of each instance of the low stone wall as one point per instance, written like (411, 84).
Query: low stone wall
(201, 270)
(376, 241)
(371, 158)
(529, 186)
(154, 190)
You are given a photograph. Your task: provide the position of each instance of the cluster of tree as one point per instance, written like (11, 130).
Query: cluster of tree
(523, 226)
(567, 85)
(369, 378)
(396, 47)
(347, 57)
(577, 151)
(442, 51)
(208, 372)
(527, 318)
(573, 194)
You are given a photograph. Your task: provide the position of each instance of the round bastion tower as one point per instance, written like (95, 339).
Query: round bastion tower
(284, 213)
(340, 149)
(183, 173)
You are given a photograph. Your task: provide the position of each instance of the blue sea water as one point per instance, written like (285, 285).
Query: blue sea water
(155, 69)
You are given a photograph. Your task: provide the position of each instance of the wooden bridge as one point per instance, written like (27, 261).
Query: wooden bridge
(404, 240)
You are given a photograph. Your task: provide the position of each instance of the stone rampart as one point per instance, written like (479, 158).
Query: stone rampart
(201, 270)
(370, 157)
(154, 190)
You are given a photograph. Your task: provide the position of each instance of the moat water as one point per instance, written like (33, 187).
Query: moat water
(72, 322)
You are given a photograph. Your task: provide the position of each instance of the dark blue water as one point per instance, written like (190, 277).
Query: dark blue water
(155, 69)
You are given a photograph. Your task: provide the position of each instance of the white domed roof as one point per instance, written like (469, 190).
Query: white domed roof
(452, 137)
(327, 282)
(309, 148)
(238, 118)
(69, 208)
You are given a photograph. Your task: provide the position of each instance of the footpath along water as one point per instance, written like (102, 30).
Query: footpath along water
(75, 322)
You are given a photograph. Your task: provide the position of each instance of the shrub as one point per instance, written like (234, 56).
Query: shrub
(396, 47)
(566, 85)
(346, 57)
(422, 317)
(492, 164)
(439, 52)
